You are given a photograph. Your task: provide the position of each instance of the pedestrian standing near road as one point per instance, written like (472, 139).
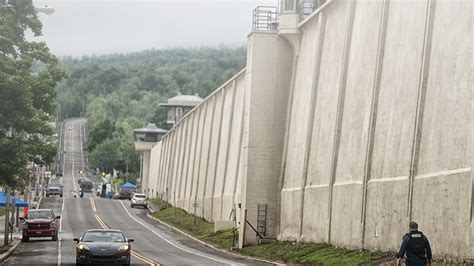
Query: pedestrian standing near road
(416, 246)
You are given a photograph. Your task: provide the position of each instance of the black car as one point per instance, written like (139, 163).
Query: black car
(98, 246)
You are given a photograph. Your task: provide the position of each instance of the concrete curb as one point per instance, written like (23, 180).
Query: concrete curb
(5, 255)
(211, 246)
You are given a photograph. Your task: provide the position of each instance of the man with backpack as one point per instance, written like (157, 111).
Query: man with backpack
(416, 246)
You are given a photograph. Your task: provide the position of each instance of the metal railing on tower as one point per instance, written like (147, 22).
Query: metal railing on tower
(307, 7)
(265, 18)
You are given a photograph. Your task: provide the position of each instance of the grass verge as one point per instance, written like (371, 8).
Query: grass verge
(2, 211)
(4, 249)
(195, 226)
(288, 252)
(312, 253)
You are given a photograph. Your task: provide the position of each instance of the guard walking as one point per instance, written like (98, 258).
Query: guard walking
(416, 246)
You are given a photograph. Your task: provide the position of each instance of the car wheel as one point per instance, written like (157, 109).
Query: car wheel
(55, 237)
(61, 195)
(77, 262)
(24, 239)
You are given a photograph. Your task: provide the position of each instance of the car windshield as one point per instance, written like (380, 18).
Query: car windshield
(39, 215)
(54, 182)
(103, 236)
(139, 196)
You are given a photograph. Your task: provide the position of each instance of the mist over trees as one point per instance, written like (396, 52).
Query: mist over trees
(121, 92)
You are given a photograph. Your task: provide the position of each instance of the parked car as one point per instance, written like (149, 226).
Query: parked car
(125, 194)
(40, 223)
(139, 199)
(98, 246)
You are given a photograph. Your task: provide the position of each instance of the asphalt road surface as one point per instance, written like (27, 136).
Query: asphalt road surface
(155, 244)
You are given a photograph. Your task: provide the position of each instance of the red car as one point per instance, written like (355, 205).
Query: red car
(40, 223)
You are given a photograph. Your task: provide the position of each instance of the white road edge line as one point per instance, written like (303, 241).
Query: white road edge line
(171, 243)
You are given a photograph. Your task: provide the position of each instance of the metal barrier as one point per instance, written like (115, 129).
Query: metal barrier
(307, 7)
(265, 18)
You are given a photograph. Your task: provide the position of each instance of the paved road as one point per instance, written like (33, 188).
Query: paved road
(154, 243)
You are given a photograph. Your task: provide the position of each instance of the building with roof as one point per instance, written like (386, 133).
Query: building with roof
(179, 105)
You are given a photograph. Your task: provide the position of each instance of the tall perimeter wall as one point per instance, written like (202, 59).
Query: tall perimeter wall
(381, 126)
(346, 125)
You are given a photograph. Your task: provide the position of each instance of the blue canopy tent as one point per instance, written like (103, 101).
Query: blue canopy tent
(19, 202)
(128, 185)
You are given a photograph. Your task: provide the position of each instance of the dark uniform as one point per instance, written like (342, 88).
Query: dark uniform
(417, 248)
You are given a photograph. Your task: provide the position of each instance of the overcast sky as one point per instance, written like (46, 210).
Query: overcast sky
(103, 26)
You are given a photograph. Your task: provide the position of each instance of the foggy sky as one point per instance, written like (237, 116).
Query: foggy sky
(102, 27)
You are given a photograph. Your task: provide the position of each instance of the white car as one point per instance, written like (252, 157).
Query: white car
(139, 199)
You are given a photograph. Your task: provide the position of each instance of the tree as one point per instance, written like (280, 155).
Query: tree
(99, 132)
(107, 155)
(27, 97)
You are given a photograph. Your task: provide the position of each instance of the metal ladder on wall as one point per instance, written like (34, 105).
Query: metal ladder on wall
(262, 219)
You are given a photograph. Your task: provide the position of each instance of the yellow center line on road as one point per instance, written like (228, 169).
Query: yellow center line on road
(104, 226)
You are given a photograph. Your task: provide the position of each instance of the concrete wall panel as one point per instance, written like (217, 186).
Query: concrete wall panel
(293, 176)
(399, 89)
(220, 174)
(441, 206)
(185, 161)
(213, 149)
(315, 219)
(447, 135)
(386, 213)
(321, 146)
(204, 156)
(192, 162)
(347, 198)
(155, 155)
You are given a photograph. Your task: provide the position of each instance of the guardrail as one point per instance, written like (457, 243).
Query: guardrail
(265, 18)
(307, 7)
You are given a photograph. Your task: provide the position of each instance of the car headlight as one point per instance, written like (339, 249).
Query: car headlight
(82, 247)
(133, 200)
(124, 248)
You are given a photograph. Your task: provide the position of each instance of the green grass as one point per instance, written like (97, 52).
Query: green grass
(2, 211)
(4, 249)
(160, 203)
(312, 253)
(202, 229)
(288, 252)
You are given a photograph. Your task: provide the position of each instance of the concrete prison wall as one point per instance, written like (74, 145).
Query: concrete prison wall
(196, 165)
(381, 127)
(344, 128)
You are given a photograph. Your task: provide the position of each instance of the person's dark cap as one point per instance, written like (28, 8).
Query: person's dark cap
(413, 225)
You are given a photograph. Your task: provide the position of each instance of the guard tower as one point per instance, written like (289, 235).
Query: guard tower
(179, 105)
(145, 139)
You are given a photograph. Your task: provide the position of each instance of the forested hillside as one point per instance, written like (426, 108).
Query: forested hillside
(121, 92)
